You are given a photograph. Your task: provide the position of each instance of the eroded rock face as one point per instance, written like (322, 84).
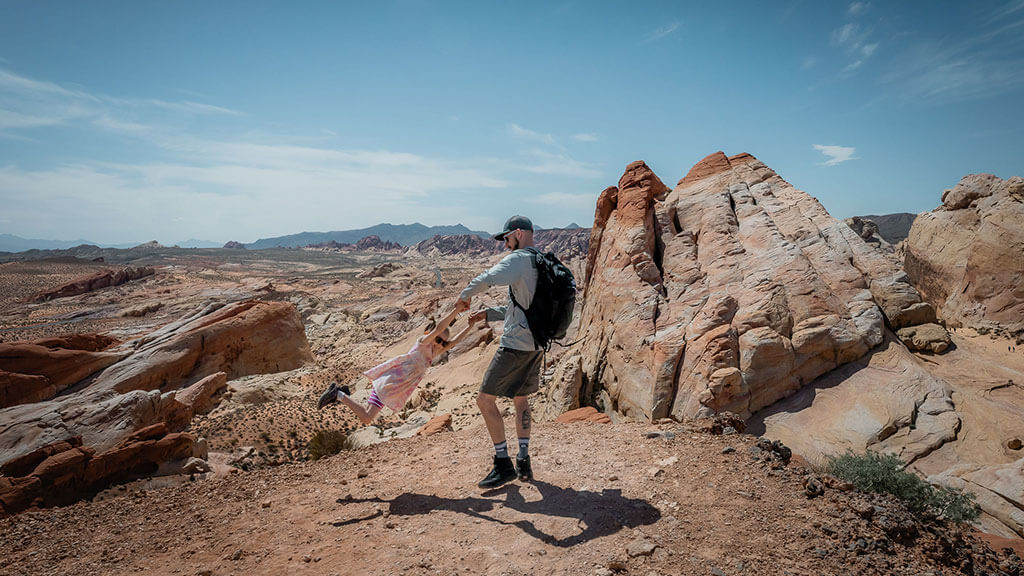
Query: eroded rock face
(194, 356)
(728, 293)
(967, 256)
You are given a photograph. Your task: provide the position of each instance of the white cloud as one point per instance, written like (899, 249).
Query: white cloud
(857, 8)
(662, 32)
(868, 49)
(836, 154)
(245, 190)
(809, 62)
(587, 137)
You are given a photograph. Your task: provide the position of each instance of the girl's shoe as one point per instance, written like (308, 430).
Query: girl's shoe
(330, 395)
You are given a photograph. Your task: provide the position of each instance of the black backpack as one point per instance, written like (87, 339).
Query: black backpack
(550, 312)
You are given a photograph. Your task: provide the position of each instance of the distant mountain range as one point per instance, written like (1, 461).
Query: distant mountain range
(893, 227)
(12, 243)
(404, 234)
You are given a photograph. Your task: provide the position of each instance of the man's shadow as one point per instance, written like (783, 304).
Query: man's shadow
(600, 513)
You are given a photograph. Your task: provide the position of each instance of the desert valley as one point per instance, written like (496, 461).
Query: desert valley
(158, 404)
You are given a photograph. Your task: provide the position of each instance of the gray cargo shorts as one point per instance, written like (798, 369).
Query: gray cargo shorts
(513, 373)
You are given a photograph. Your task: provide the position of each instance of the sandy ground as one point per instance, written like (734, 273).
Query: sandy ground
(606, 499)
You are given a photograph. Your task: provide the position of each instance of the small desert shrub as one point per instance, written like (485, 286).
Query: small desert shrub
(885, 473)
(328, 442)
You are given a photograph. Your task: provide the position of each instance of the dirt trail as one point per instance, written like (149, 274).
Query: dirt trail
(607, 499)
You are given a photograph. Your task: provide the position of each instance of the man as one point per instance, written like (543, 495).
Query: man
(515, 369)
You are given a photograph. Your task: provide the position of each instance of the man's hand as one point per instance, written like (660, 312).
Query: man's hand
(478, 316)
(461, 305)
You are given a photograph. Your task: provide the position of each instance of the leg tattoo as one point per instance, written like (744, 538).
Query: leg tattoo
(525, 420)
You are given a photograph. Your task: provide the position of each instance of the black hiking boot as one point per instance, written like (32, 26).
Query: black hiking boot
(329, 396)
(502, 473)
(524, 469)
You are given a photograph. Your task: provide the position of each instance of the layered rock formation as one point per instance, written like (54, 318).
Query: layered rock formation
(730, 292)
(39, 370)
(458, 244)
(64, 471)
(967, 256)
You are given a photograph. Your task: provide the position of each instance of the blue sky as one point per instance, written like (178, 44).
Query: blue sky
(139, 120)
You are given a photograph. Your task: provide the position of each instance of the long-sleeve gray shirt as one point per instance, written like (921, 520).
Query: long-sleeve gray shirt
(517, 272)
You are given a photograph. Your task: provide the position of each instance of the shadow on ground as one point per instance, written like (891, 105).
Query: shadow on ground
(598, 513)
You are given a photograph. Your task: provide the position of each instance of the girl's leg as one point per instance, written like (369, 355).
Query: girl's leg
(366, 415)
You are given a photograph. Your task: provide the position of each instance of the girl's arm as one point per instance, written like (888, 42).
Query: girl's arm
(445, 323)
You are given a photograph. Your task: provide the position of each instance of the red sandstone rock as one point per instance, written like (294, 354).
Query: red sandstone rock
(65, 471)
(436, 425)
(585, 414)
(95, 282)
(87, 342)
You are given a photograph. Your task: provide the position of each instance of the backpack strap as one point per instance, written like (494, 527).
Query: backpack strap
(533, 260)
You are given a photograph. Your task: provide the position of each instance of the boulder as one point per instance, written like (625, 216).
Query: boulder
(200, 397)
(926, 337)
(242, 338)
(965, 256)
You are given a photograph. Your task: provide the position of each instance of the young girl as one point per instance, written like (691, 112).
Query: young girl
(395, 380)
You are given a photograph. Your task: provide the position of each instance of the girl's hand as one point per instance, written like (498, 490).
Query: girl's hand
(478, 317)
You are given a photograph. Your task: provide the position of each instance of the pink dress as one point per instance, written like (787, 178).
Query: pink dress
(395, 380)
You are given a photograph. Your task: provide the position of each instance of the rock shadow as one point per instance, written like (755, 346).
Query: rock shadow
(598, 513)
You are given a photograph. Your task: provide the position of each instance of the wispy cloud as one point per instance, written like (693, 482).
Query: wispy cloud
(586, 137)
(544, 162)
(854, 39)
(27, 103)
(836, 154)
(526, 134)
(809, 62)
(662, 32)
(974, 67)
(194, 107)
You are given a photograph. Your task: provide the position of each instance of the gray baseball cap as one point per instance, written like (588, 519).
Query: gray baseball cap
(515, 223)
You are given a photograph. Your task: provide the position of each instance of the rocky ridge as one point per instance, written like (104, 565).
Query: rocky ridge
(729, 292)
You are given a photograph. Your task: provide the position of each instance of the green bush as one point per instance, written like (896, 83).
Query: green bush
(885, 473)
(328, 442)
